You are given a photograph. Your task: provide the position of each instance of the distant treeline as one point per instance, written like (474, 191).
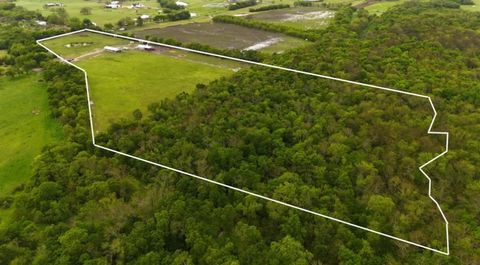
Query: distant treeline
(170, 4)
(242, 4)
(270, 7)
(308, 35)
(303, 3)
(172, 16)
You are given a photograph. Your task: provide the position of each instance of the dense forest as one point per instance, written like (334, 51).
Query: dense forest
(338, 149)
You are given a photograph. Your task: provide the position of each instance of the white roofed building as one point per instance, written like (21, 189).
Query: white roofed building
(145, 47)
(112, 49)
(180, 3)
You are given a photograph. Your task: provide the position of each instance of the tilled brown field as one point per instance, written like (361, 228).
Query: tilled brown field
(220, 35)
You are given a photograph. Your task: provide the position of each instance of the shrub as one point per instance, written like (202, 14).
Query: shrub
(270, 7)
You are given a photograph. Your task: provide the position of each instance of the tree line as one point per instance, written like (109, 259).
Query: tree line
(299, 139)
(250, 23)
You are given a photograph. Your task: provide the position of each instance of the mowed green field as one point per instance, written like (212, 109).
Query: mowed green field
(123, 82)
(381, 7)
(99, 14)
(26, 126)
(474, 8)
(84, 42)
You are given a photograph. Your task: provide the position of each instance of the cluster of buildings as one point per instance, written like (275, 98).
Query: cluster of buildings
(47, 5)
(143, 47)
(180, 3)
(113, 5)
(41, 23)
(136, 6)
(117, 4)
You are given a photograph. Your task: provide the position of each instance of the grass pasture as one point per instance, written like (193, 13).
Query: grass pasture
(473, 8)
(99, 14)
(123, 82)
(26, 128)
(203, 9)
(224, 36)
(382, 6)
(304, 18)
(75, 45)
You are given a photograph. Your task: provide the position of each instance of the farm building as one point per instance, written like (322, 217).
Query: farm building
(41, 22)
(112, 49)
(53, 5)
(113, 5)
(145, 47)
(180, 3)
(136, 5)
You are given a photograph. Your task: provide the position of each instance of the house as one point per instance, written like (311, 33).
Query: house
(136, 5)
(112, 49)
(53, 5)
(144, 17)
(145, 47)
(113, 5)
(180, 3)
(41, 23)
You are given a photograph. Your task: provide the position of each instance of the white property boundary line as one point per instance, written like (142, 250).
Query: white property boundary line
(39, 42)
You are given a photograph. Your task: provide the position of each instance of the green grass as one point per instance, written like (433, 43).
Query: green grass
(474, 8)
(381, 7)
(99, 14)
(26, 128)
(121, 83)
(96, 41)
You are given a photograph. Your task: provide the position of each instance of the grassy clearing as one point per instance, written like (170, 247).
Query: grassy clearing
(86, 42)
(99, 14)
(223, 36)
(121, 83)
(26, 128)
(474, 8)
(203, 9)
(381, 7)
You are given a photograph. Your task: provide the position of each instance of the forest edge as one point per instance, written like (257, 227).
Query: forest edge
(447, 252)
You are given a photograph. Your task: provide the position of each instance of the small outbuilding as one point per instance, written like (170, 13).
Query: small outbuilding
(112, 49)
(53, 5)
(145, 47)
(136, 5)
(113, 5)
(180, 3)
(41, 23)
